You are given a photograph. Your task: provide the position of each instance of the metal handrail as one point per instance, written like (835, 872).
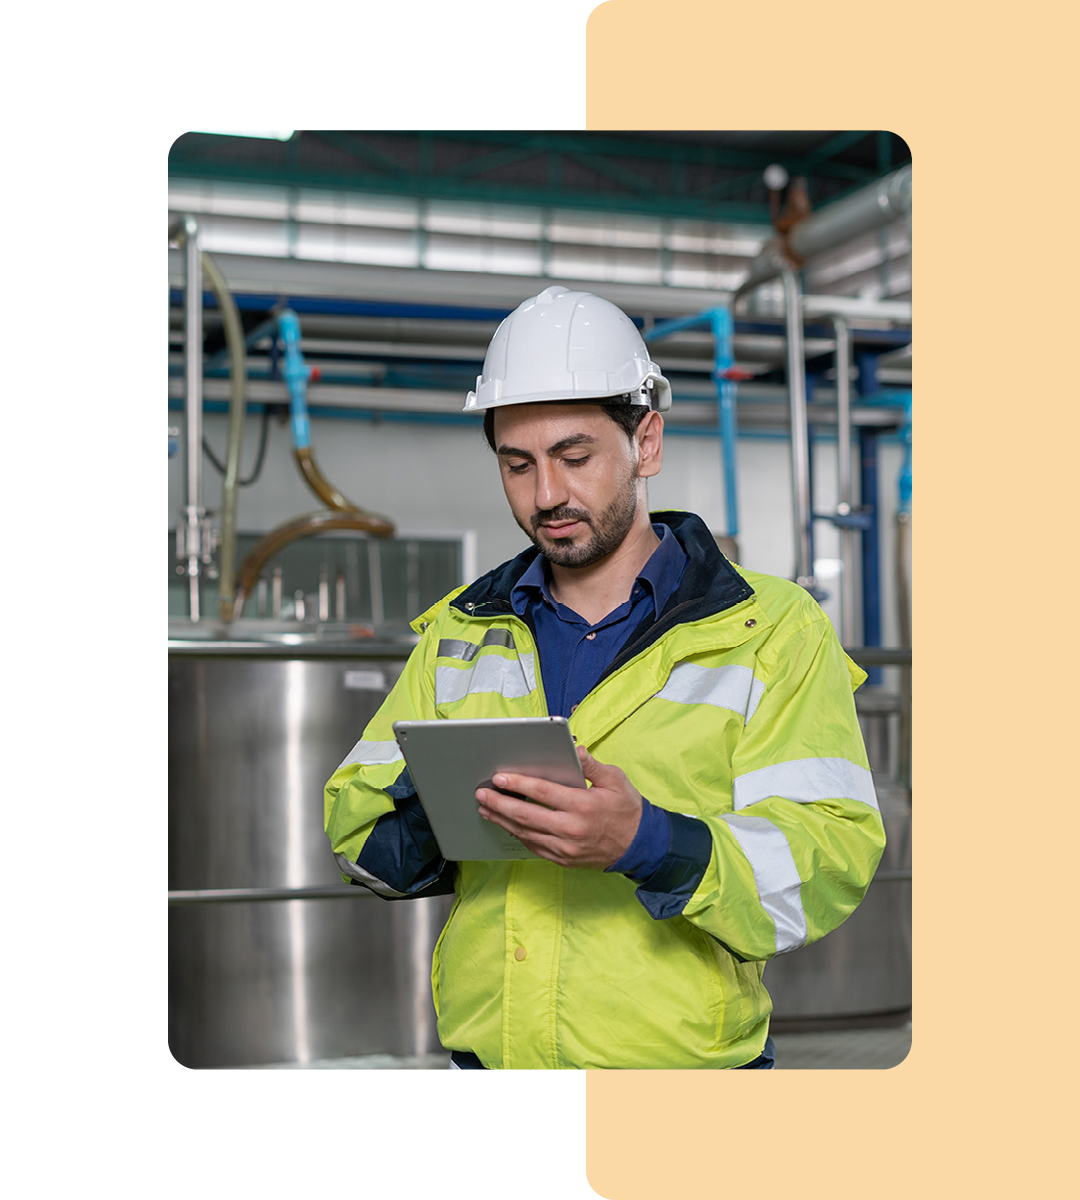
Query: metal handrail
(244, 895)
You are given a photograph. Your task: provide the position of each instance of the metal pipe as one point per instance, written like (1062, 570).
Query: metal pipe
(870, 208)
(324, 592)
(234, 340)
(800, 442)
(843, 477)
(194, 512)
(339, 595)
(871, 566)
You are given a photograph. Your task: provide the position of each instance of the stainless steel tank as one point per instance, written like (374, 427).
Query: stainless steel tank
(862, 970)
(255, 730)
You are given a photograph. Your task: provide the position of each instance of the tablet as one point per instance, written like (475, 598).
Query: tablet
(449, 760)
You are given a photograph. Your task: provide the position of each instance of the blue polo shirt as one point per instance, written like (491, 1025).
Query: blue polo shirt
(574, 654)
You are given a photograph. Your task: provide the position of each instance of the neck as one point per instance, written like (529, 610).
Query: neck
(594, 591)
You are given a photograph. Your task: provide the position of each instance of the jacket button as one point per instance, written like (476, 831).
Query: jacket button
(519, 953)
(751, 623)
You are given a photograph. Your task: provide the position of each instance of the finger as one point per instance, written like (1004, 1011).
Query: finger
(518, 816)
(547, 844)
(543, 791)
(597, 773)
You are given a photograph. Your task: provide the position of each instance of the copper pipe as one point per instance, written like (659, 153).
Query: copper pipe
(301, 527)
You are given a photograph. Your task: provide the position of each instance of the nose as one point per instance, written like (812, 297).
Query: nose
(551, 491)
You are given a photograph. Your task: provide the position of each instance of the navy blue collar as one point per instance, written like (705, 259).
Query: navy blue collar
(659, 576)
(709, 584)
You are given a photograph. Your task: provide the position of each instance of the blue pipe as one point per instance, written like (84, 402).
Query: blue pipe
(719, 321)
(296, 378)
(295, 371)
(723, 328)
(904, 504)
(259, 332)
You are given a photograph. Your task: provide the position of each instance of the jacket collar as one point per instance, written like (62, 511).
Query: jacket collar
(710, 584)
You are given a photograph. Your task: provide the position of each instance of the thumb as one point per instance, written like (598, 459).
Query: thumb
(595, 772)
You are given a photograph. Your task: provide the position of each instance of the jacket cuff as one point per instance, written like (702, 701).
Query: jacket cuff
(401, 852)
(678, 871)
(645, 854)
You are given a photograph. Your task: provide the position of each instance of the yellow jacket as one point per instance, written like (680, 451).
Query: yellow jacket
(734, 712)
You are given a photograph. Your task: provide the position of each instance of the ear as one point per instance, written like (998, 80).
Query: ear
(649, 436)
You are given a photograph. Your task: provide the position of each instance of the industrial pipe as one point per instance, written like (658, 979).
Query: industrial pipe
(723, 370)
(234, 340)
(296, 378)
(722, 327)
(190, 529)
(870, 208)
(903, 584)
(302, 527)
(800, 441)
(843, 478)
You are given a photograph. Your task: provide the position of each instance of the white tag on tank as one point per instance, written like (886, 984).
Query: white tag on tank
(369, 681)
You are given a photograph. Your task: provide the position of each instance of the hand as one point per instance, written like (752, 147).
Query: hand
(573, 827)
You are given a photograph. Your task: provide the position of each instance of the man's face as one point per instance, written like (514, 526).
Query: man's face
(570, 475)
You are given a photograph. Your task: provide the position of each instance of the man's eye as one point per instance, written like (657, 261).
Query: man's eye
(576, 462)
(517, 468)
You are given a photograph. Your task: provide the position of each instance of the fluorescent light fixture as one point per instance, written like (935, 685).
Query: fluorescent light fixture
(280, 135)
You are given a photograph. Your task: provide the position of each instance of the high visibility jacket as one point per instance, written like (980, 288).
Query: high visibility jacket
(733, 711)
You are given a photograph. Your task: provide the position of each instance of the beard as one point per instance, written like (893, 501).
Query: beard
(607, 531)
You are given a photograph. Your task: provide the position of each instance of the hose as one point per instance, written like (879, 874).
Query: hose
(319, 484)
(260, 453)
(296, 378)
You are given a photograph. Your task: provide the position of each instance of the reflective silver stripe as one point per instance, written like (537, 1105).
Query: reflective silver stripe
(350, 868)
(730, 687)
(372, 754)
(510, 677)
(467, 651)
(805, 780)
(775, 876)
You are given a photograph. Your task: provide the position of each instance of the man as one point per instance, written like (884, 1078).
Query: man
(731, 815)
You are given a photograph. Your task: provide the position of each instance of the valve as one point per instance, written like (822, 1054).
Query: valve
(734, 374)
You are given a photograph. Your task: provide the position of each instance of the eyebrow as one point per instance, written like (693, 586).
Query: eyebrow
(575, 439)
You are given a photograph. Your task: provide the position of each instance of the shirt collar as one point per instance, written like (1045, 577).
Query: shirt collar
(660, 575)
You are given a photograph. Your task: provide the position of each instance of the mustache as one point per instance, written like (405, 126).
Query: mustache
(562, 513)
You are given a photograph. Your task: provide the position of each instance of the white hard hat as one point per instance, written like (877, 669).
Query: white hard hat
(564, 345)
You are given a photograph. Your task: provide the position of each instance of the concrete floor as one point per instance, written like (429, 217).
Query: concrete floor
(833, 1049)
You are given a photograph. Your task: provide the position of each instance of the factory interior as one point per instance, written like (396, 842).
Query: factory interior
(331, 298)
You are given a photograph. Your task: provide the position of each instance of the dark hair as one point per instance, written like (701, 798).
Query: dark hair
(626, 415)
